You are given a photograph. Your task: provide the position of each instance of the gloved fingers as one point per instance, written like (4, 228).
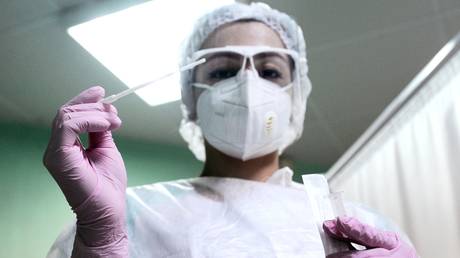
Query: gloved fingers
(88, 114)
(90, 95)
(96, 123)
(369, 253)
(109, 159)
(88, 107)
(68, 112)
(100, 140)
(366, 235)
(112, 117)
(330, 227)
(86, 100)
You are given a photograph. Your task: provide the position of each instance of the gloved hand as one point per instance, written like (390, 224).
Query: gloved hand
(378, 243)
(93, 180)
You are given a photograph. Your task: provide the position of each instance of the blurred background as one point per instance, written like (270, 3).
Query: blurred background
(361, 53)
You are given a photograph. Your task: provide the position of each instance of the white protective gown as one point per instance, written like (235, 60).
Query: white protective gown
(222, 217)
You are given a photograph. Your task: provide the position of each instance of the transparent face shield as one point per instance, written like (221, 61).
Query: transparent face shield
(277, 65)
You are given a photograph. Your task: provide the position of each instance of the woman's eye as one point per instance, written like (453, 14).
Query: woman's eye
(270, 74)
(221, 74)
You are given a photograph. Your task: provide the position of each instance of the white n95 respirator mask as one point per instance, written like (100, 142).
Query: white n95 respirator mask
(244, 116)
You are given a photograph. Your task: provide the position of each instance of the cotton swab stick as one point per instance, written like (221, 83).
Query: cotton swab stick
(112, 98)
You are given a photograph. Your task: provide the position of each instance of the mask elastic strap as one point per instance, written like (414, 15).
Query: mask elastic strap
(201, 85)
(287, 87)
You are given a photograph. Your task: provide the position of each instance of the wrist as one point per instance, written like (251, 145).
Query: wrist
(100, 233)
(118, 248)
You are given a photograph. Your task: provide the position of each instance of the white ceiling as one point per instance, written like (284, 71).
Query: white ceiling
(361, 54)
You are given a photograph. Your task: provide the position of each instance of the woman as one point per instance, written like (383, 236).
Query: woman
(248, 101)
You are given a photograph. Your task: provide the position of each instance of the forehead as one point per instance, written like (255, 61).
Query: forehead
(243, 33)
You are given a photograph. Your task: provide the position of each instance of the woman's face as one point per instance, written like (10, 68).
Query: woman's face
(250, 33)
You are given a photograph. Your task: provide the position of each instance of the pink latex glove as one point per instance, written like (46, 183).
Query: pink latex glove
(93, 180)
(378, 243)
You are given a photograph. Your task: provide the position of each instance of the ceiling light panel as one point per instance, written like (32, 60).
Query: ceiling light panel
(143, 42)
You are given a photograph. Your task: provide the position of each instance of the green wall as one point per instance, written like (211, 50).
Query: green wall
(33, 210)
